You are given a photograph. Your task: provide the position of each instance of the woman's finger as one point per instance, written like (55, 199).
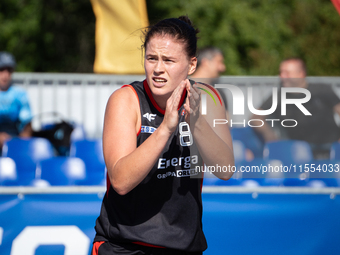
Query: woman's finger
(175, 97)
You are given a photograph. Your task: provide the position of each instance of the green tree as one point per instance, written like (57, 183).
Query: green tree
(256, 35)
(48, 35)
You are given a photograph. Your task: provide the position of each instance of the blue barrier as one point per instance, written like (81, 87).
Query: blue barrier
(235, 220)
(271, 224)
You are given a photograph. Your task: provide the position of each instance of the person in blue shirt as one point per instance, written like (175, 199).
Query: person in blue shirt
(15, 111)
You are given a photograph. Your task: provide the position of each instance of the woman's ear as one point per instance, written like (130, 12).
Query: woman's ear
(192, 67)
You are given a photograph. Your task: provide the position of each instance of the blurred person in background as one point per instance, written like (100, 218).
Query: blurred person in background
(15, 112)
(210, 64)
(320, 129)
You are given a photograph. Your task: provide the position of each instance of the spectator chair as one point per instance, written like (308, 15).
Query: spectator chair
(26, 153)
(62, 171)
(8, 172)
(292, 154)
(91, 152)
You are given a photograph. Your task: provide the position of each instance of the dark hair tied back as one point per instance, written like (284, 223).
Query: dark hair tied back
(179, 28)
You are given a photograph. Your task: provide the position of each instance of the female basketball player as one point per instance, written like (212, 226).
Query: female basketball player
(155, 139)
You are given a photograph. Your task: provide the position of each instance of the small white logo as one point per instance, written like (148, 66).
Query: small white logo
(149, 116)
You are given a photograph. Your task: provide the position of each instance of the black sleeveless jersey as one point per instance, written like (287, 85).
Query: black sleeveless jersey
(165, 209)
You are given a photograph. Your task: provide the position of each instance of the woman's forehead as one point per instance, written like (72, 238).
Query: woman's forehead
(165, 43)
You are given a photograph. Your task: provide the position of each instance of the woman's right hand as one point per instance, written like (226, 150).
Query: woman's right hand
(170, 120)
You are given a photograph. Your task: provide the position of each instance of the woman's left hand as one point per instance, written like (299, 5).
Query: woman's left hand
(193, 102)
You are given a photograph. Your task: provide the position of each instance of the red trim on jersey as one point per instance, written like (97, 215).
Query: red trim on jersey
(214, 90)
(96, 247)
(182, 99)
(149, 245)
(130, 86)
(153, 101)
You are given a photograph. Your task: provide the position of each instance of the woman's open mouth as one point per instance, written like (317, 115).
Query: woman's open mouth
(159, 81)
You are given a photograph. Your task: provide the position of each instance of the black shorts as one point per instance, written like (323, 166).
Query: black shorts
(108, 248)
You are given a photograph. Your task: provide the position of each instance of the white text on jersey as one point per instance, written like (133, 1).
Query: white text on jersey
(149, 116)
(185, 161)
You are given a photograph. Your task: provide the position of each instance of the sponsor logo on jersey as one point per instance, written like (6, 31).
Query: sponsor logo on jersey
(149, 116)
(181, 161)
(178, 173)
(186, 173)
(147, 129)
(166, 175)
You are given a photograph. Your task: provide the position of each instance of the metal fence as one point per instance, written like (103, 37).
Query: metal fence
(82, 98)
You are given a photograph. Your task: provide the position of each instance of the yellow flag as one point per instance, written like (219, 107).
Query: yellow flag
(119, 27)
